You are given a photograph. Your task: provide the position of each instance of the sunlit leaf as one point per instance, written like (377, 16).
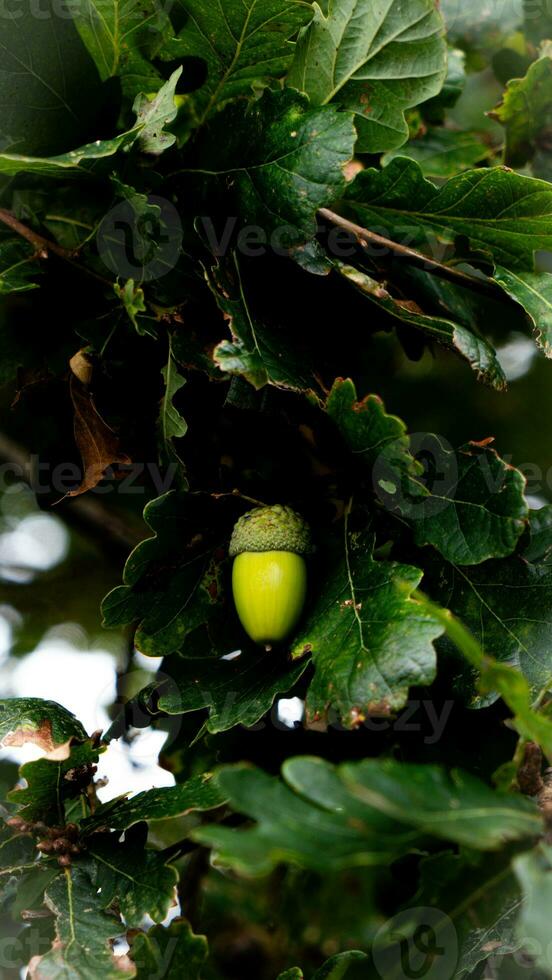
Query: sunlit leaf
(376, 60)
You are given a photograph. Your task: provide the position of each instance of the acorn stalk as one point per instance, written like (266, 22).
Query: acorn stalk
(269, 576)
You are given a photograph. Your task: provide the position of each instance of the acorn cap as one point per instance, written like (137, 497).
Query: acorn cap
(274, 528)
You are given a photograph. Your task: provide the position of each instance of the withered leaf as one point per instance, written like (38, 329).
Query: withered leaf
(97, 443)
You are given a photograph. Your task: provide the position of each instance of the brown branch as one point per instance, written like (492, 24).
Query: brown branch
(366, 237)
(42, 245)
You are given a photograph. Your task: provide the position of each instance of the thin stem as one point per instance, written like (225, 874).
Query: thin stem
(235, 493)
(68, 221)
(43, 245)
(109, 337)
(366, 237)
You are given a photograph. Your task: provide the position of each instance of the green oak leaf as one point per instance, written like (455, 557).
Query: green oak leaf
(475, 507)
(50, 784)
(280, 160)
(27, 895)
(82, 949)
(534, 874)
(482, 25)
(443, 153)
(479, 898)
(337, 966)
(236, 692)
(147, 132)
(375, 59)
(18, 267)
(175, 948)
(193, 352)
(256, 352)
(369, 641)
(479, 509)
(43, 111)
(18, 856)
(454, 806)
(507, 606)
(244, 44)
(118, 34)
(377, 810)
(526, 109)
(73, 163)
(370, 433)
(333, 969)
(464, 307)
(153, 114)
(137, 881)
(45, 723)
(172, 580)
(499, 679)
(539, 546)
(132, 300)
(138, 239)
(294, 827)
(533, 292)
(171, 425)
(197, 793)
(473, 348)
(502, 213)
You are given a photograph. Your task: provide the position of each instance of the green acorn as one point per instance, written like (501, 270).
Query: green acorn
(269, 577)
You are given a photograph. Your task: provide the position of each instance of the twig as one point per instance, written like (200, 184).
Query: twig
(366, 237)
(238, 494)
(43, 245)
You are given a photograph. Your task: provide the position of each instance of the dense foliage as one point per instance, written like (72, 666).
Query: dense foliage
(226, 231)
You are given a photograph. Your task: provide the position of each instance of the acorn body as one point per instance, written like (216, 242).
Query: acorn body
(269, 577)
(269, 588)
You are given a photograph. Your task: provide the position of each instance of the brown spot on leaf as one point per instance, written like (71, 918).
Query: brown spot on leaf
(42, 737)
(212, 581)
(350, 604)
(410, 305)
(482, 443)
(356, 717)
(380, 709)
(351, 169)
(316, 722)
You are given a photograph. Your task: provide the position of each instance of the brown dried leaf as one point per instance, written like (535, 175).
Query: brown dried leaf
(81, 366)
(97, 443)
